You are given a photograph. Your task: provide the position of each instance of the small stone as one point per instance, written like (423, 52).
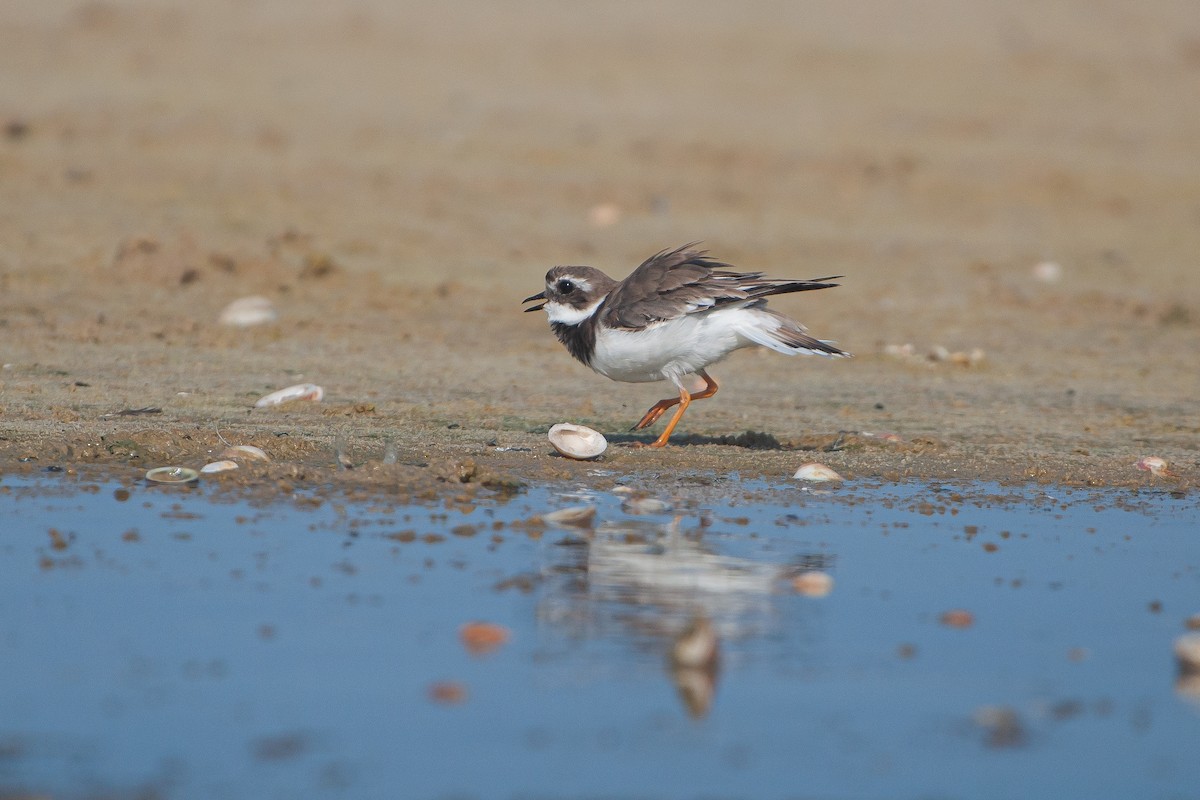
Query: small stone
(957, 618)
(481, 638)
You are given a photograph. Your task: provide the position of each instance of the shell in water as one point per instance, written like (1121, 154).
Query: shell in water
(577, 441)
(574, 517)
(301, 391)
(219, 466)
(817, 473)
(247, 311)
(172, 475)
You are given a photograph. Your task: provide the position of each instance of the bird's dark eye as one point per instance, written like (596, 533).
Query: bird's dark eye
(565, 286)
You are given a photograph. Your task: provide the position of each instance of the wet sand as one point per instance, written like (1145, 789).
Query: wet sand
(396, 180)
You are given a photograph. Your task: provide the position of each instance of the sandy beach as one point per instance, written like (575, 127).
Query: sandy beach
(1011, 192)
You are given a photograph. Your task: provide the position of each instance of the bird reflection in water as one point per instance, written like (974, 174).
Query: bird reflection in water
(667, 591)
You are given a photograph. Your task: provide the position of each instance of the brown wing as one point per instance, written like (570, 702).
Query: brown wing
(683, 281)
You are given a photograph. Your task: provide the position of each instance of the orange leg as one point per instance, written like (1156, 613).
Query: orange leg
(684, 400)
(656, 410)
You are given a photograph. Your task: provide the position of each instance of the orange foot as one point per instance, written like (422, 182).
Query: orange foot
(683, 401)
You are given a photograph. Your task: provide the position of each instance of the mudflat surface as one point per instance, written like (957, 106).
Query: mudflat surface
(395, 180)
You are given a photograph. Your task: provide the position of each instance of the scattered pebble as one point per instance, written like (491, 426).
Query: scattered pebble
(481, 638)
(219, 466)
(816, 473)
(574, 517)
(697, 647)
(248, 311)
(1002, 726)
(937, 354)
(957, 618)
(1193, 622)
(448, 693)
(577, 441)
(1152, 464)
(1187, 653)
(813, 583)
(301, 391)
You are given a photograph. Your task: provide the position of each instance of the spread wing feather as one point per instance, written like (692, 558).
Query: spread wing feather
(683, 281)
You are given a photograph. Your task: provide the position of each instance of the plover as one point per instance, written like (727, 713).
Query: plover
(676, 314)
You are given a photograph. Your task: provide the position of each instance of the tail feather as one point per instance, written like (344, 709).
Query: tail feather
(789, 337)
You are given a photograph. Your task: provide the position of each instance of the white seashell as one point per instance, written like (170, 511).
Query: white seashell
(247, 451)
(219, 466)
(645, 505)
(1152, 464)
(247, 311)
(813, 583)
(172, 475)
(1047, 272)
(301, 391)
(817, 473)
(577, 441)
(574, 517)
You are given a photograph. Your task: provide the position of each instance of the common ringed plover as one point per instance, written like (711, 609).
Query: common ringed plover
(673, 316)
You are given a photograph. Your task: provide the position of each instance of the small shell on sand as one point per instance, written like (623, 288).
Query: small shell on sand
(817, 473)
(574, 517)
(219, 466)
(604, 215)
(301, 391)
(813, 583)
(245, 451)
(247, 311)
(577, 441)
(1047, 272)
(1152, 464)
(172, 475)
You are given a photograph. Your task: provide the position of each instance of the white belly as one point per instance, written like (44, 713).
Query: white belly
(670, 350)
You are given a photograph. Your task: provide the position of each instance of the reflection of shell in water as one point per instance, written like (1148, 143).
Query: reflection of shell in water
(697, 645)
(172, 475)
(219, 466)
(577, 441)
(645, 505)
(1187, 653)
(574, 517)
(813, 583)
(301, 391)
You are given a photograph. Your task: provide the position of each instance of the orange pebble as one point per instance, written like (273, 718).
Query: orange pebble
(483, 637)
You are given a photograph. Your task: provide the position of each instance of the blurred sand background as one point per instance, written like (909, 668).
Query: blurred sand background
(395, 177)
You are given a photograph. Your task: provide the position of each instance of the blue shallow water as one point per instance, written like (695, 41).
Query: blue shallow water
(179, 643)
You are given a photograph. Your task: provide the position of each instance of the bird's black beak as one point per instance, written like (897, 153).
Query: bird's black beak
(539, 306)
